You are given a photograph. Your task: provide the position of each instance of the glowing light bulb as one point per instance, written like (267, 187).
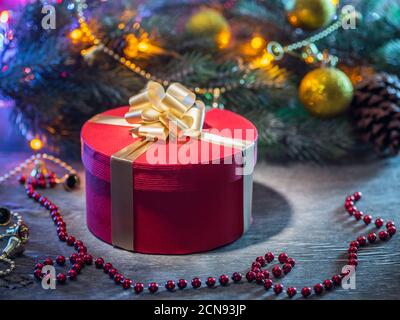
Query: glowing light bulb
(266, 59)
(263, 61)
(76, 34)
(4, 16)
(36, 144)
(257, 42)
(310, 59)
(223, 39)
(143, 46)
(293, 20)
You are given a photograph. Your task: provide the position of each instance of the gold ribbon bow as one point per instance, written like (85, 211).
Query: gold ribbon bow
(153, 111)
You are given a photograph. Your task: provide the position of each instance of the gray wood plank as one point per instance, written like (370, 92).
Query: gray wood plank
(296, 208)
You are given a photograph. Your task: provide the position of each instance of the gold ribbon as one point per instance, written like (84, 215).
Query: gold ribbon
(153, 110)
(150, 117)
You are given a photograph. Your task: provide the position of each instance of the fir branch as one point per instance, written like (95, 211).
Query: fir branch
(66, 90)
(388, 56)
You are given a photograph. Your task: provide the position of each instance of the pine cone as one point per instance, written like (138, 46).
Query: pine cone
(376, 112)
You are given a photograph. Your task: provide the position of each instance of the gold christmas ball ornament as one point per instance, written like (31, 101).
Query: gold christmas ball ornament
(312, 14)
(326, 92)
(207, 22)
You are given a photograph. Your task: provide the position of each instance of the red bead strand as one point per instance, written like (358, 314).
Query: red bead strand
(257, 272)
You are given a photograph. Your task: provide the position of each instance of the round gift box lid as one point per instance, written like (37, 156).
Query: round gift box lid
(179, 162)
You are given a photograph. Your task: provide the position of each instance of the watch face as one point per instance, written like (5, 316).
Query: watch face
(23, 233)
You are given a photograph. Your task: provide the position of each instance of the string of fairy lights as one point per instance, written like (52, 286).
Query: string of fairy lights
(265, 53)
(273, 51)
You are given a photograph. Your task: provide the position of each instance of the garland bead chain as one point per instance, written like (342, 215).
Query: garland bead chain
(257, 272)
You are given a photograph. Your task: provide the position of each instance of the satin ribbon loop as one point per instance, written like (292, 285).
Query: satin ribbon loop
(153, 109)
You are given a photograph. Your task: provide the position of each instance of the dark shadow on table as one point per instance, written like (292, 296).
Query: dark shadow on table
(271, 214)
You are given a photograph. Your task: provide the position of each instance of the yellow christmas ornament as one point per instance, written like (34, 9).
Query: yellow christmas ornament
(209, 22)
(326, 92)
(312, 14)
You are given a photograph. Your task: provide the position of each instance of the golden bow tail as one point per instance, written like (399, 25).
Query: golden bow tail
(157, 114)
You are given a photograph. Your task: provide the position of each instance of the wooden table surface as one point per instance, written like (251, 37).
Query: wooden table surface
(296, 208)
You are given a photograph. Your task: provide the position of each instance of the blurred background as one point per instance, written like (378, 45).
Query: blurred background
(317, 77)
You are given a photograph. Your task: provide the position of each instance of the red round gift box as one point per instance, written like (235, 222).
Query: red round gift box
(178, 208)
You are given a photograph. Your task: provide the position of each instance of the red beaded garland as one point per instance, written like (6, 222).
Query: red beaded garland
(182, 284)
(357, 195)
(390, 224)
(305, 292)
(196, 283)
(328, 284)
(250, 276)
(391, 230)
(379, 223)
(22, 179)
(291, 261)
(61, 224)
(60, 260)
(269, 257)
(367, 219)
(62, 236)
(138, 287)
(358, 215)
(107, 267)
(70, 240)
(352, 255)
(61, 278)
(80, 261)
(118, 278)
(255, 265)
(261, 261)
(337, 280)
(99, 263)
(236, 277)
(352, 262)
(371, 237)
(267, 283)
(39, 266)
(88, 259)
(291, 291)
(287, 267)
(362, 240)
(73, 258)
(38, 274)
(261, 276)
(277, 271)
(211, 282)
(223, 280)
(256, 270)
(353, 250)
(112, 272)
(126, 284)
(170, 285)
(153, 287)
(354, 244)
(72, 274)
(318, 288)
(77, 267)
(77, 244)
(383, 235)
(265, 274)
(278, 288)
(283, 257)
